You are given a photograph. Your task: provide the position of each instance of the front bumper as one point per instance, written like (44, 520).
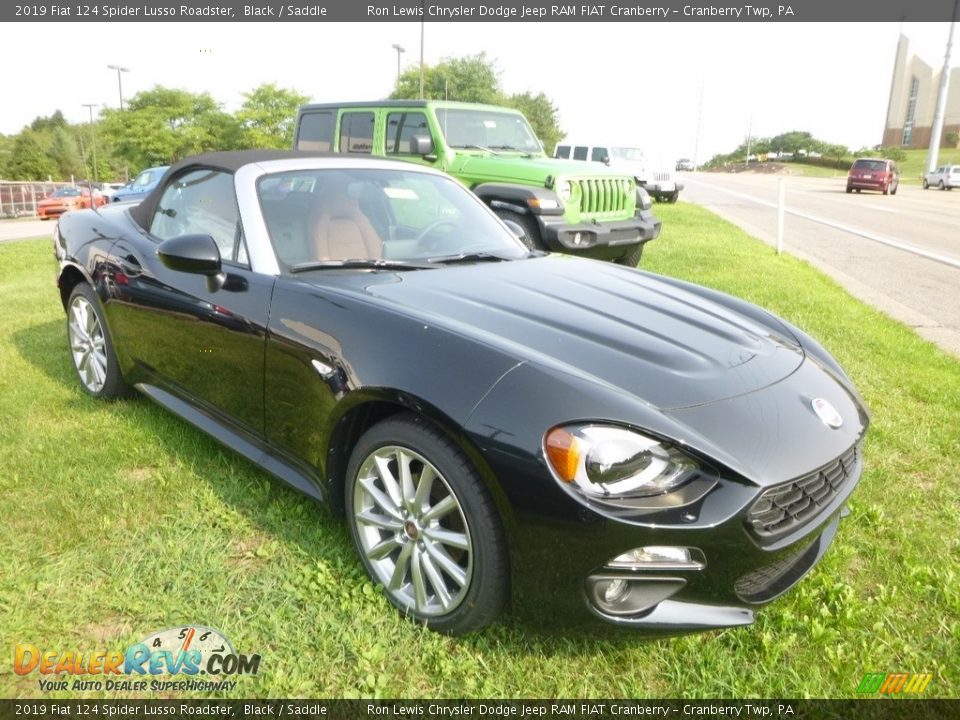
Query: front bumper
(604, 241)
(740, 572)
(662, 190)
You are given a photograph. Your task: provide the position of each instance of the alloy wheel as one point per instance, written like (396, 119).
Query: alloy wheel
(87, 344)
(412, 531)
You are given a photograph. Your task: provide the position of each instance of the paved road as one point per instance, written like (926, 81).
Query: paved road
(864, 241)
(21, 229)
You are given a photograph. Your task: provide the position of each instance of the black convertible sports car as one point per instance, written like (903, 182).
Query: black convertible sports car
(494, 423)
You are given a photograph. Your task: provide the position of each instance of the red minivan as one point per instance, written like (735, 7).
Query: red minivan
(874, 174)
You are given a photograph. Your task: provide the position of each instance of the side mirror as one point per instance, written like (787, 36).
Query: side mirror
(605, 159)
(516, 228)
(195, 254)
(421, 144)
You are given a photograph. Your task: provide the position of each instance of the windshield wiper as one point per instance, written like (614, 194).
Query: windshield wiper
(468, 257)
(526, 153)
(359, 263)
(476, 147)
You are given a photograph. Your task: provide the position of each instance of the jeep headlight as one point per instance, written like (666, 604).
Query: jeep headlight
(564, 190)
(604, 461)
(644, 201)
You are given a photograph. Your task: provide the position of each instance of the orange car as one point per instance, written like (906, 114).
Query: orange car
(68, 198)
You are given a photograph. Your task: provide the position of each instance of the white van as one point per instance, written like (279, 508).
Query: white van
(659, 182)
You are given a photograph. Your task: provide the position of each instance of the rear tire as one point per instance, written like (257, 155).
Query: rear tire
(531, 230)
(425, 526)
(941, 185)
(849, 189)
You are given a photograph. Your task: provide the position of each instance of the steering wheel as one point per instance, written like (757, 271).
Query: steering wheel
(425, 243)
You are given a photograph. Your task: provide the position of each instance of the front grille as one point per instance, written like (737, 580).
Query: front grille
(786, 507)
(776, 578)
(602, 195)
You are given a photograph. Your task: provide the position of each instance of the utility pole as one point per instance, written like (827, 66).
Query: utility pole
(119, 81)
(93, 139)
(421, 59)
(938, 114)
(400, 49)
(696, 142)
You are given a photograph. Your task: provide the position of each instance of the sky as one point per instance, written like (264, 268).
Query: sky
(674, 89)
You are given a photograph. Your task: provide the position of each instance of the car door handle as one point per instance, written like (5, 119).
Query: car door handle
(130, 265)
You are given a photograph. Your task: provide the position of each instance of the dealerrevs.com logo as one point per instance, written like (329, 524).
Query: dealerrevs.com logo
(202, 654)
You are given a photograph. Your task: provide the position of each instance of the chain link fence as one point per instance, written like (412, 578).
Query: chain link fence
(19, 199)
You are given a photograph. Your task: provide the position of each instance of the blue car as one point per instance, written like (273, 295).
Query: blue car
(142, 184)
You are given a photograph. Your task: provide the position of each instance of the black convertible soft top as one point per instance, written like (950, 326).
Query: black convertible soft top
(229, 161)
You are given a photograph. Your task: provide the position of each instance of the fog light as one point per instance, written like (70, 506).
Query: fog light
(577, 239)
(612, 590)
(660, 557)
(619, 596)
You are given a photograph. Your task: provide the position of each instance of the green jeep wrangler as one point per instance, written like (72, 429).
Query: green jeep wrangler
(560, 205)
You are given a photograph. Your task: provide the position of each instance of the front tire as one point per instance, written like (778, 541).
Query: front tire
(531, 230)
(633, 259)
(941, 185)
(425, 527)
(91, 347)
(926, 185)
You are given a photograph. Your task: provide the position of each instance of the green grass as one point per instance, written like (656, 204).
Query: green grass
(912, 168)
(119, 520)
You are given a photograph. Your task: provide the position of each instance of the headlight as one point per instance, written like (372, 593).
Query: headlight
(564, 190)
(608, 461)
(644, 201)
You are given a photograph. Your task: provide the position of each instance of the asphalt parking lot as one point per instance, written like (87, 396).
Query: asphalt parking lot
(899, 253)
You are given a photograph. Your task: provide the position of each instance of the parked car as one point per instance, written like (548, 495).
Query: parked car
(494, 422)
(945, 177)
(67, 198)
(142, 184)
(657, 181)
(562, 206)
(685, 164)
(873, 174)
(109, 189)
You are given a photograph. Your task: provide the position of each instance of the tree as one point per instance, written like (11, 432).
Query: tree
(542, 115)
(29, 159)
(468, 79)
(163, 125)
(268, 115)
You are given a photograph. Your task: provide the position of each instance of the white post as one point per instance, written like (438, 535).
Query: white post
(781, 196)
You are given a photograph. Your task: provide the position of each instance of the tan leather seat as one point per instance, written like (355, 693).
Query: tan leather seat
(340, 231)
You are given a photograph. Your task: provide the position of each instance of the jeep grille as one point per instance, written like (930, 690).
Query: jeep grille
(599, 196)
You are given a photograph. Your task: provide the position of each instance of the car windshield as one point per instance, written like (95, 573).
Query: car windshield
(487, 130)
(626, 153)
(324, 217)
(870, 165)
(67, 192)
(143, 179)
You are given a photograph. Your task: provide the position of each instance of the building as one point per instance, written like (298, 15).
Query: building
(913, 100)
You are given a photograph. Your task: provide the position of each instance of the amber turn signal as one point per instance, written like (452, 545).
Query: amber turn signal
(563, 453)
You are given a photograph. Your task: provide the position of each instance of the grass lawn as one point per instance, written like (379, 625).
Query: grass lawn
(912, 168)
(119, 520)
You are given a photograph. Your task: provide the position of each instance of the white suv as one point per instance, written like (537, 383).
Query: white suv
(659, 182)
(945, 177)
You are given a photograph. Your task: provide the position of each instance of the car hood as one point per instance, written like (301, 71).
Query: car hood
(500, 168)
(663, 343)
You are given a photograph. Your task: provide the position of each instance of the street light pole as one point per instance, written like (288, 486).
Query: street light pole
(93, 139)
(119, 81)
(421, 59)
(400, 49)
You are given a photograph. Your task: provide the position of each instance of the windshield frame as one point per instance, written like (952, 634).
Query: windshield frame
(481, 116)
(483, 231)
